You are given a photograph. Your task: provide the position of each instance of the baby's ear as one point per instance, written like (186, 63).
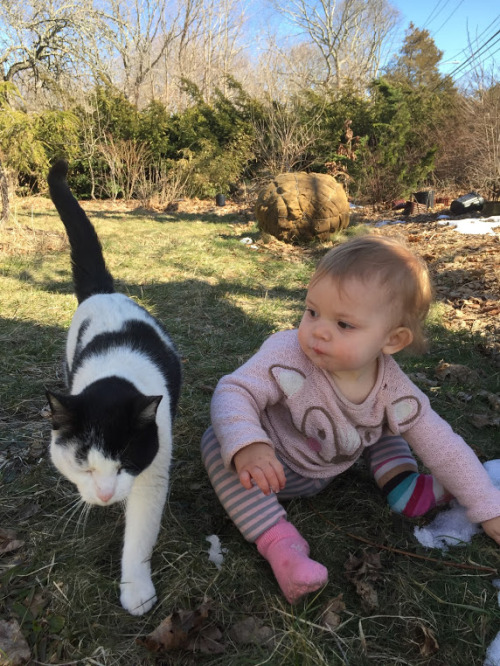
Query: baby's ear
(398, 339)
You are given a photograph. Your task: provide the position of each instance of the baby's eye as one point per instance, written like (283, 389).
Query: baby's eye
(345, 325)
(312, 313)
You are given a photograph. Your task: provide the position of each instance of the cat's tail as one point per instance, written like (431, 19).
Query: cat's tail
(90, 275)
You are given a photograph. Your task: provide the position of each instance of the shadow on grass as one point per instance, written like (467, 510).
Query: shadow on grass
(229, 217)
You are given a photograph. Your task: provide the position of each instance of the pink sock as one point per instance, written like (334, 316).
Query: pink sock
(287, 553)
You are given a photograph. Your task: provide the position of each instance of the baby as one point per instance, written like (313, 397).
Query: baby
(313, 400)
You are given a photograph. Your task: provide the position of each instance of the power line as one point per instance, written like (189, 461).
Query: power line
(473, 55)
(449, 17)
(466, 49)
(490, 56)
(431, 16)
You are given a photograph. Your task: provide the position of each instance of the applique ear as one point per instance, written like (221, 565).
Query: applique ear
(404, 411)
(61, 408)
(289, 380)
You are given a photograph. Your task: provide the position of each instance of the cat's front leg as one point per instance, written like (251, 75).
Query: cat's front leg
(142, 523)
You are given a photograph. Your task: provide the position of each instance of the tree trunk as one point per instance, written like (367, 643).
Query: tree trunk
(4, 195)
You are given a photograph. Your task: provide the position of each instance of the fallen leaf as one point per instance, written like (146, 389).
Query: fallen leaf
(251, 630)
(184, 630)
(14, 650)
(9, 541)
(426, 641)
(362, 571)
(421, 378)
(330, 615)
(485, 420)
(27, 511)
(456, 373)
(492, 398)
(207, 641)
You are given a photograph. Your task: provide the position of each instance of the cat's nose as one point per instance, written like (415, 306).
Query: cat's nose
(105, 495)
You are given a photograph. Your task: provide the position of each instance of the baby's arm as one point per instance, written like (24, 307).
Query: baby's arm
(492, 528)
(258, 464)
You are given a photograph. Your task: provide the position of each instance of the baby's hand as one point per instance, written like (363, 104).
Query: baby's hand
(492, 528)
(258, 463)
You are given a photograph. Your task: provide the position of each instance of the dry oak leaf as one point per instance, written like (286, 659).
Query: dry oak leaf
(14, 650)
(361, 572)
(485, 420)
(9, 541)
(330, 615)
(185, 630)
(251, 630)
(492, 398)
(426, 641)
(456, 373)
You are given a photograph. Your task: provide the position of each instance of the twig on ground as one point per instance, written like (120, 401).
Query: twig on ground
(399, 551)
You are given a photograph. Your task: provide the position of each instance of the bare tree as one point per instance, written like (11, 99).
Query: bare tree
(208, 54)
(283, 139)
(144, 33)
(350, 36)
(43, 40)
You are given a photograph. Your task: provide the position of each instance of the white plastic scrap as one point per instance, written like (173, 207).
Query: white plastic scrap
(215, 553)
(248, 241)
(449, 528)
(493, 652)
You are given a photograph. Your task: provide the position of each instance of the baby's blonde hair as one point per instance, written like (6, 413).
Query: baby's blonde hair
(402, 274)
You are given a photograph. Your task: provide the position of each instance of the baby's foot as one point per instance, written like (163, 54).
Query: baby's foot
(287, 553)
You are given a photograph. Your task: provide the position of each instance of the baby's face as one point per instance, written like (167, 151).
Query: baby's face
(343, 330)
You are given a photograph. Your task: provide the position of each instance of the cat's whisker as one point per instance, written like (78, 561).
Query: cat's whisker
(86, 513)
(83, 518)
(73, 508)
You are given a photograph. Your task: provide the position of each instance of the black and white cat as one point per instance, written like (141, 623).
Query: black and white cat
(112, 431)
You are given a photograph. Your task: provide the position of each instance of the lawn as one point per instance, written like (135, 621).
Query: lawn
(388, 600)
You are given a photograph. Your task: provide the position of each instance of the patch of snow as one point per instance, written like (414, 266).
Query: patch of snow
(474, 225)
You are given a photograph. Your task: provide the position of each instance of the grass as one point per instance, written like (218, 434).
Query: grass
(220, 300)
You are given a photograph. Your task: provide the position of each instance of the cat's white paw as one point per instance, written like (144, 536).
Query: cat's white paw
(137, 596)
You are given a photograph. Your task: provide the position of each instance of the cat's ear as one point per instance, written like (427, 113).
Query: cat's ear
(61, 408)
(146, 409)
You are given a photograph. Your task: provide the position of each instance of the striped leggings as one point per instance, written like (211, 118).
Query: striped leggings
(250, 510)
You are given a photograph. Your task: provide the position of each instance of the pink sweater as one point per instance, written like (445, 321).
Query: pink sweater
(279, 397)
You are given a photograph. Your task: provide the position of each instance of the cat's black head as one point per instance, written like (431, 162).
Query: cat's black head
(103, 437)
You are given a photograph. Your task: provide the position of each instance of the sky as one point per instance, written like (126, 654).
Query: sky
(453, 24)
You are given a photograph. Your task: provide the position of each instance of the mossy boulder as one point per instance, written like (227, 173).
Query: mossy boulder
(302, 206)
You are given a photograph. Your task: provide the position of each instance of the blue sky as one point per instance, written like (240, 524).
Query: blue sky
(452, 23)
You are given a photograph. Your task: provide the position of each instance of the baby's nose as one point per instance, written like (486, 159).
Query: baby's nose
(321, 331)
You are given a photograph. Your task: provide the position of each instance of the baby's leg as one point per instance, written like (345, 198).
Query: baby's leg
(396, 472)
(262, 520)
